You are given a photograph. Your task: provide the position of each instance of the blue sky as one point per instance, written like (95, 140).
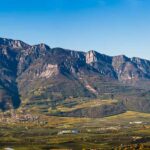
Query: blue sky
(112, 27)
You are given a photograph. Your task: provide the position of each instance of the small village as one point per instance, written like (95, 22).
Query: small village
(11, 117)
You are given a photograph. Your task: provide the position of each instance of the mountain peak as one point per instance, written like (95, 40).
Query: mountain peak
(41, 46)
(57, 73)
(123, 57)
(13, 43)
(91, 56)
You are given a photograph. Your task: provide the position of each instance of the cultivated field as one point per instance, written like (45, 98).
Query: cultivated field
(130, 130)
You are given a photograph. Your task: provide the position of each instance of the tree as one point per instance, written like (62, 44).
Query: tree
(112, 96)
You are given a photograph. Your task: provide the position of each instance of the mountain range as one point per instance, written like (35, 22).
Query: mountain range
(42, 77)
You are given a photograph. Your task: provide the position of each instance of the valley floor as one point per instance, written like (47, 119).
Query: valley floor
(130, 130)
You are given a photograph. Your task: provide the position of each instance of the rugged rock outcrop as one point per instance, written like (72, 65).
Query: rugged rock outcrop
(39, 75)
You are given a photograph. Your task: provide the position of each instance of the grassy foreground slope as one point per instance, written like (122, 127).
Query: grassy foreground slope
(130, 130)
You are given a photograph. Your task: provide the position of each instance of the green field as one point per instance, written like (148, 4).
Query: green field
(130, 130)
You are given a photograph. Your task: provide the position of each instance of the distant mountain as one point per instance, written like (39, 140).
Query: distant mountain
(40, 76)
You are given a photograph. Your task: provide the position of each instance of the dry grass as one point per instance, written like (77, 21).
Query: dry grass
(92, 103)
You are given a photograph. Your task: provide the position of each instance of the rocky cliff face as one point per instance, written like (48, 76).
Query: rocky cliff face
(41, 75)
(131, 69)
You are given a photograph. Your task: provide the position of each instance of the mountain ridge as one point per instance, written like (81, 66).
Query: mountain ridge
(40, 76)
